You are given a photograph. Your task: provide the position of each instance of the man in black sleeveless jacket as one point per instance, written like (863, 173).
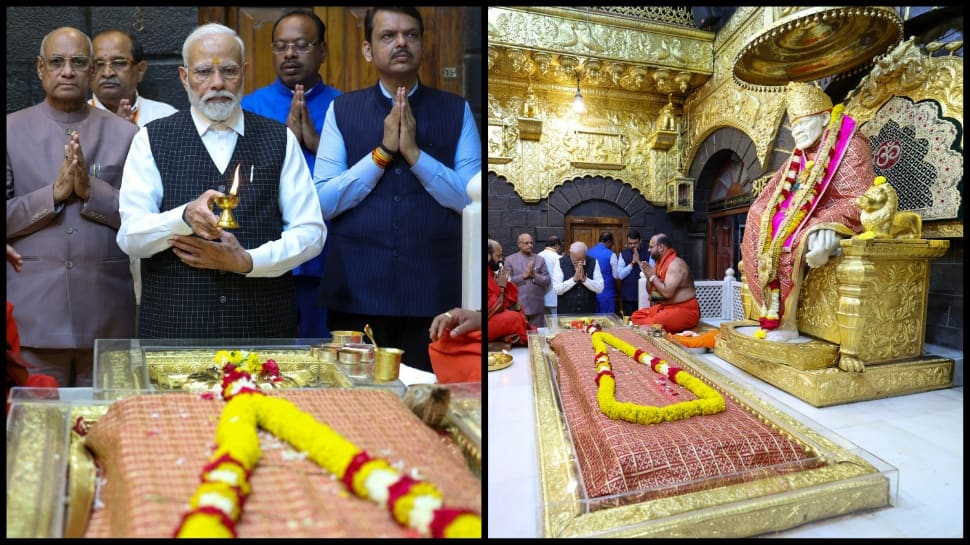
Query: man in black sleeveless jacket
(198, 279)
(577, 279)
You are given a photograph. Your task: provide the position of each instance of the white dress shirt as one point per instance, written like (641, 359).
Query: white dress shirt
(145, 110)
(562, 286)
(624, 269)
(551, 257)
(145, 231)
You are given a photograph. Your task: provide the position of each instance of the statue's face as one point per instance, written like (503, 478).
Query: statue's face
(808, 129)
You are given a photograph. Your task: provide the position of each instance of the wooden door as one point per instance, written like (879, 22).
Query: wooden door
(724, 243)
(345, 67)
(587, 229)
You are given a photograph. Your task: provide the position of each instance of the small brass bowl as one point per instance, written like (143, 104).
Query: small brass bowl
(499, 360)
(346, 337)
(345, 355)
(352, 362)
(325, 352)
(366, 351)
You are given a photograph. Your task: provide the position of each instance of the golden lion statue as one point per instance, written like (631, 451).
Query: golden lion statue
(879, 216)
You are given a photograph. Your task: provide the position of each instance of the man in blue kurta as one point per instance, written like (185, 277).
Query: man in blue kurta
(299, 98)
(392, 166)
(603, 253)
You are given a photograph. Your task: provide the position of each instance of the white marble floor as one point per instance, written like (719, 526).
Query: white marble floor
(921, 435)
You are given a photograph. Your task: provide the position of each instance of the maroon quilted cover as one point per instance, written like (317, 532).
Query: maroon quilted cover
(153, 447)
(663, 459)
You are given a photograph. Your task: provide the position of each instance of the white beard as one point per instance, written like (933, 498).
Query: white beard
(216, 111)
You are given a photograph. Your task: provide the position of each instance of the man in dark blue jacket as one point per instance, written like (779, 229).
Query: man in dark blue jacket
(391, 171)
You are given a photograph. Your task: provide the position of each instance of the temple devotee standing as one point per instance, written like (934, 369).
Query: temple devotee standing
(830, 191)
(529, 273)
(551, 254)
(603, 253)
(118, 67)
(391, 172)
(506, 321)
(200, 280)
(74, 284)
(577, 280)
(628, 273)
(673, 297)
(299, 98)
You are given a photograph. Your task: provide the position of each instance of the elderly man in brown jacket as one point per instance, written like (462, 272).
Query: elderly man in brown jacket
(64, 163)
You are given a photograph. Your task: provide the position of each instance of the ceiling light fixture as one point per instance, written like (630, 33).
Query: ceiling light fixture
(578, 106)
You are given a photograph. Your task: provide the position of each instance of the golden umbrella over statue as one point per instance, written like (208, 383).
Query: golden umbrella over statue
(815, 43)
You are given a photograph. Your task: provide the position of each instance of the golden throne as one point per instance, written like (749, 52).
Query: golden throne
(865, 310)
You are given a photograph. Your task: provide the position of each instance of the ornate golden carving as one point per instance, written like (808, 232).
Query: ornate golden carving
(933, 88)
(503, 132)
(817, 42)
(846, 484)
(876, 290)
(879, 216)
(909, 71)
(662, 14)
(597, 145)
(615, 59)
(827, 387)
(943, 229)
(883, 286)
(81, 471)
(816, 301)
(725, 104)
(36, 450)
(606, 37)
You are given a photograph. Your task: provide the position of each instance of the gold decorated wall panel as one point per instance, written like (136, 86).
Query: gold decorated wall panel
(574, 32)
(723, 102)
(610, 140)
(628, 71)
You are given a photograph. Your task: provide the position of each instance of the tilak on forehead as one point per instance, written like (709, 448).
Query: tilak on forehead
(216, 60)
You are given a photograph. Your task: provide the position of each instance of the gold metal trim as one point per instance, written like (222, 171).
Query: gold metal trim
(847, 484)
(831, 386)
(817, 42)
(805, 356)
(82, 473)
(36, 447)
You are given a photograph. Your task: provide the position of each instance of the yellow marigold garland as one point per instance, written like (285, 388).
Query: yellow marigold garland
(810, 179)
(218, 501)
(708, 401)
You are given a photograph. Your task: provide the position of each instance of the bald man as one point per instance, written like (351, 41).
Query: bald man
(577, 280)
(506, 320)
(528, 272)
(671, 290)
(63, 177)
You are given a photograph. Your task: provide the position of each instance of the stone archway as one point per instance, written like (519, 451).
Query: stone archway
(509, 216)
(715, 147)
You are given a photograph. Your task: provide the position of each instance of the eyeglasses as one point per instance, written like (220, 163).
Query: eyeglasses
(56, 64)
(301, 46)
(230, 72)
(116, 64)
